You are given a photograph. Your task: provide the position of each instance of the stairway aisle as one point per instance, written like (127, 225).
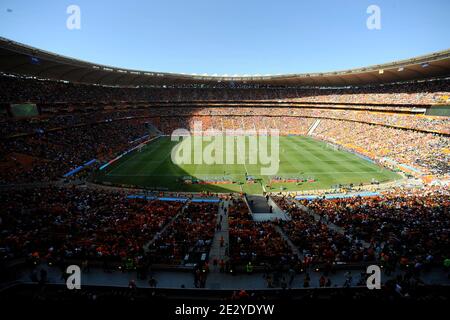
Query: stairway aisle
(158, 234)
(313, 127)
(294, 248)
(219, 252)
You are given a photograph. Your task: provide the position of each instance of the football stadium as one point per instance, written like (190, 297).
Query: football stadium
(185, 190)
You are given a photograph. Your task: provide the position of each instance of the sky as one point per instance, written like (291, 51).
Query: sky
(233, 37)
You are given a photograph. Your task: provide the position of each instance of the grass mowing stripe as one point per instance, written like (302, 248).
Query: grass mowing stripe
(341, 165)
(324, 167)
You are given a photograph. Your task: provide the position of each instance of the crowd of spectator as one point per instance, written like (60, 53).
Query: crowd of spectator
(403, 227)
(423, 153)
(319, 244)
(20, 89)
(406, 228)
(62, 120)
(189, 237)
(287, 120)
(55, 223)
(46, 157)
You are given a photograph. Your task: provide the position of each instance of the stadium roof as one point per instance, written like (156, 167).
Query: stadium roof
(17, 58)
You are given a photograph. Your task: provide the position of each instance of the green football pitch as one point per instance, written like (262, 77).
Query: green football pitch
(299, 157)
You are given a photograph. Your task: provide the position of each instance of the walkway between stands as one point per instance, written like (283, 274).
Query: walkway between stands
(220, 242)
(179, 279)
